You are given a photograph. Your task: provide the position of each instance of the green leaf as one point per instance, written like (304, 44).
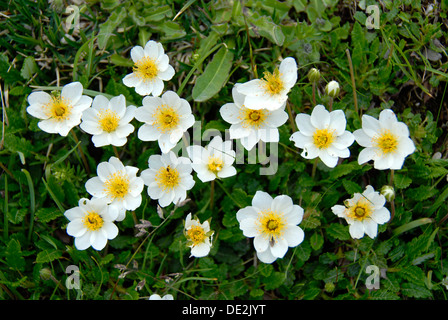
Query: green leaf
(48, 214)
(29, 68)
(108, 27)
(351, 187)
(316, 241)
(48, 256)
(268, 29)
(402, 181)
(412, 225)
(338, 231)
(214, 77)
(13, 255)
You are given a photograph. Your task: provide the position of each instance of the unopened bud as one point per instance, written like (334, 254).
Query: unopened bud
(313, 75)
(388, 192)
(332, 89)
(45, 274)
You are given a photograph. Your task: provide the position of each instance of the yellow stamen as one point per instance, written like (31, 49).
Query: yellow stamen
(146, 68)
(253, 118)
(215, 165)
(272, 82)
(323, 138)
(58, 108)
(361, 210)
(93, 221)
(108, 120)
(196, 234)
(166, 119)
(387, 142)
(271, 225)
(167, 178)
(117, 185)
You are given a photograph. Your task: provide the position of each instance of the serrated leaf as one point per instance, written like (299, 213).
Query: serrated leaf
(48, 214)
(29, 68)
(13, 255)
(351, 187)
(215, 74)
(48, 256)
(338, 231)
(316, 241)
(107, 28)
(402, 181)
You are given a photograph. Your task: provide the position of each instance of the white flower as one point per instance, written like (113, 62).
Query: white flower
(198, 236)
(273, 223)
(323, 135)
(332, 89)
(91, 223)
(166, 119)
(168, 178)
(118, 185)
(386, 141)
(363, 213)
(155, 296)
(251, 125)
(151, 68)
(271, 92)
(60, 113)
(213, 161)
(108, 121)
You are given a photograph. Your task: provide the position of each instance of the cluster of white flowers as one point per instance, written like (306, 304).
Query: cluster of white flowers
(256, 113)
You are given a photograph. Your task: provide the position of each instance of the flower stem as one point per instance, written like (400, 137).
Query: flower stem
(291, 119)
(330, 104)
(83, 157)
(352, 75)
(116, 152)
(314, 93)
(392, 203)
(313, 172)
(212, 194)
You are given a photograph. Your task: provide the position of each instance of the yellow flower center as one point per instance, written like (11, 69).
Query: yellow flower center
(93, 221)
(166, 119)
(58, 108)
(361, 210)
(215, 165)
(196, 234)
(323, 138)
(146, 68)
(108, 120)
(117, 185)
(271, 225)
(272, 82)
(253, 118)
(387, 142)
(167, 178)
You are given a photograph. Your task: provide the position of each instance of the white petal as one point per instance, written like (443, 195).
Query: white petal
(370, 228)
(356, 230)
(338, 121)
(362, 138)
(261, 243)
(294, 235)
(387, 119)
(320, 117)
(249, 227)
(137, 53)
(230, 113)
(366, 155)
(381, 216)
(279, 248)
(83, 242)
(262, 200)
(131, 80)
(288, 71)
(370, 125)
(282, 204)
(246, 213)
(266, 256)
(72, 92)
(329, 160)
(304, 125)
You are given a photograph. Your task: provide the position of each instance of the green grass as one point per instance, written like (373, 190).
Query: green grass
(213, 45)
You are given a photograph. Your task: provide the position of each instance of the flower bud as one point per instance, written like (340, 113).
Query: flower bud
(388, 192)
(45, 274)
(332, 89)
(313, 75)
